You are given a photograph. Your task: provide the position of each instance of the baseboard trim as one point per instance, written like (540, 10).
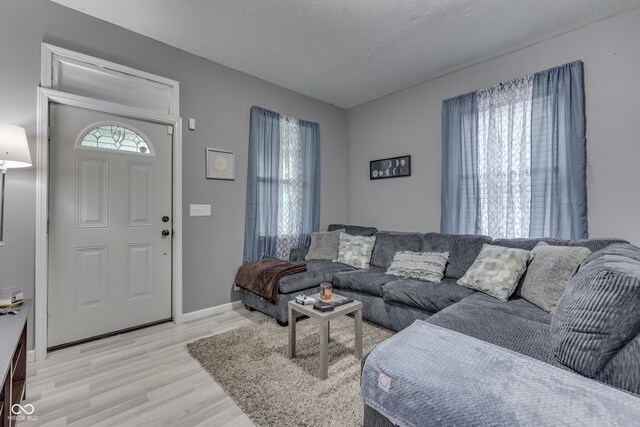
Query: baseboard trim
(194, 315)
(186, 317)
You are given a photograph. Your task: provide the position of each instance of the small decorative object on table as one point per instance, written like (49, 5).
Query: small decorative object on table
(393, 167)
(323, 306)
(326, 291)
(304, 300)
(11, 297)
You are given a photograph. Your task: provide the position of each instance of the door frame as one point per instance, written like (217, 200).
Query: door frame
(45, 97)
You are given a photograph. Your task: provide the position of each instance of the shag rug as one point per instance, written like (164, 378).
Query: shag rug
(252, 365)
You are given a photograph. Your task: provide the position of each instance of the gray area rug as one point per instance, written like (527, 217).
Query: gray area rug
(252, 366)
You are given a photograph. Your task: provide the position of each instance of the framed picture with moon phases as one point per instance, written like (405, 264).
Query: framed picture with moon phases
(394, 167)
(220, 164)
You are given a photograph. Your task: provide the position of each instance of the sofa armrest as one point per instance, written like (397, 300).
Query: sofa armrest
(298, 254)
(427, 375)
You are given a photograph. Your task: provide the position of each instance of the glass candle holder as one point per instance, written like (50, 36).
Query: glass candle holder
(326, 291)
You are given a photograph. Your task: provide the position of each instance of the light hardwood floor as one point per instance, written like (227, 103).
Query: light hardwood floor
(141, 378)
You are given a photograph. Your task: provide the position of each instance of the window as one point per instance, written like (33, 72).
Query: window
(514, 158)
(115, 136)
(283, 185)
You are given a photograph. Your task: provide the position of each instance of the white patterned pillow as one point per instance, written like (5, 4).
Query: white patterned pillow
(355, 250)
(427, 266)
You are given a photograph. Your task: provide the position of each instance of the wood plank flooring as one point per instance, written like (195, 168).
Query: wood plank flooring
(141, 378)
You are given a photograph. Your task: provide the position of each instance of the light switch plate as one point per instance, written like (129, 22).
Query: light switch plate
(200, 210)
(191, 123)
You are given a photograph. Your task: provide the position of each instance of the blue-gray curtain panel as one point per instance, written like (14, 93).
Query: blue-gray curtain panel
(310, 140)
(261, 218)
(460, 199)
(558, 154)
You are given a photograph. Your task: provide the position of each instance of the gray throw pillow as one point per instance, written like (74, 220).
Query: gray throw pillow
(595, 329)
(324, 245)
(496, 271)
(355, 250)
(427, 266)
(549, 273)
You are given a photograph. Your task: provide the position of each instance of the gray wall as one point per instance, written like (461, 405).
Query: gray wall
(218, 97)
(409, 122)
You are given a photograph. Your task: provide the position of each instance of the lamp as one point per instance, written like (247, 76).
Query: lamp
(14, 153)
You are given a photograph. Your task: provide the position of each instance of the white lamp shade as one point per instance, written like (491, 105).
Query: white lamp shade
(14, 147)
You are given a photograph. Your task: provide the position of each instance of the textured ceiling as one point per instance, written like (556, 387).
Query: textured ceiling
(347, 52)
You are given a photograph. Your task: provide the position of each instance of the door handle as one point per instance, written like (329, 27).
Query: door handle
(165, 233)
(165, 219)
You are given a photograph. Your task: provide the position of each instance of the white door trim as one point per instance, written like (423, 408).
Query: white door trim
(45, 96)
(85, 67)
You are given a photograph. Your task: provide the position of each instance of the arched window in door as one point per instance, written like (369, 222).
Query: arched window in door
(115, 136)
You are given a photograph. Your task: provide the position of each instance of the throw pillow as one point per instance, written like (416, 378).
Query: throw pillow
(355, 250)
(427, 266)
(496, 271)
(324, 245)
(594, 330)
(549, 273)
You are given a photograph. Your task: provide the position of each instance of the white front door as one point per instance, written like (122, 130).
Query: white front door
(109, 224)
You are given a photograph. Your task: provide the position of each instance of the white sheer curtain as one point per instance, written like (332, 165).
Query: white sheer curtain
(290, 187)
(504, 158)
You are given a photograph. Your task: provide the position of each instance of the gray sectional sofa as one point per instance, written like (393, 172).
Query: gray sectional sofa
(570, 341)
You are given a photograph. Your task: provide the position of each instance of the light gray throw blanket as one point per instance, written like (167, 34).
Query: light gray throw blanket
(430, 376)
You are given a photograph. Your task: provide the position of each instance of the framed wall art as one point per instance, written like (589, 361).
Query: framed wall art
(393, 167)
(220, 164)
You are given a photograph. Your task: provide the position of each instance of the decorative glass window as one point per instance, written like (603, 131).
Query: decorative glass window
(115, 136)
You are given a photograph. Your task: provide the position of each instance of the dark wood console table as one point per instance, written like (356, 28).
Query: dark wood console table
(13, 362)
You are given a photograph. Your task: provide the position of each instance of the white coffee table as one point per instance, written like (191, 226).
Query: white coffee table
(324, 319)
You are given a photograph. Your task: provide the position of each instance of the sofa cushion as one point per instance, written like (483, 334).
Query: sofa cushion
(431, 297)
(622, 370)
(324, 245)
(516, 333)
(317, 272)
(390, 242)
(528, 244)
(549, 273)
(596, 244)
(623, 249)
(517, 307)
(369, 281)
(496, 271)
(298, 254)
(354, 230)
(463, 250)
(598, 316)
